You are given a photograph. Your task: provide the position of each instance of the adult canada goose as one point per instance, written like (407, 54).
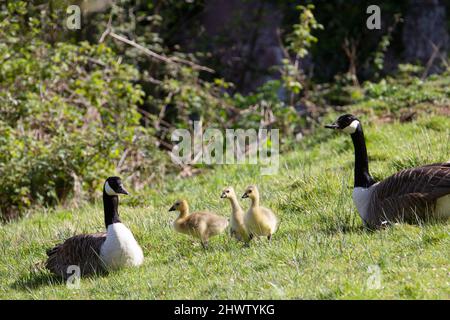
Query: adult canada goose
(259, 221)
(237, 226)
(97, 252)
(202, 225)
(409, 195)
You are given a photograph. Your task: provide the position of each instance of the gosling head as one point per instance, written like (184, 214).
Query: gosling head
(113, 187)
(346, 123)
(251, 192)
(228, 193)
(179, 205)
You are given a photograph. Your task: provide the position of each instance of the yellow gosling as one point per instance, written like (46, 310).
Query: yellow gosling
(237, 226)
(259, 221)
(201, 225)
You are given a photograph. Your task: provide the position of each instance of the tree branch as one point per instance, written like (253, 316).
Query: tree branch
(434, 54)
(154, 55)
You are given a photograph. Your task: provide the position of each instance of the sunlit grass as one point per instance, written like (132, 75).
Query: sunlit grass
(320, 250)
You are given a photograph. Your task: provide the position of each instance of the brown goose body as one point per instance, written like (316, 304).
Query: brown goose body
(81, 250)
(98, 252)
(411, 195)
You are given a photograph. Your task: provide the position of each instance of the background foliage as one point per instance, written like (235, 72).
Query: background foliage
(74, 109)
(69, 117)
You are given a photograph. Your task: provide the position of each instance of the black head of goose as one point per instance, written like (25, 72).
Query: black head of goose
(411, 195)
(112, 188)
(97, 252)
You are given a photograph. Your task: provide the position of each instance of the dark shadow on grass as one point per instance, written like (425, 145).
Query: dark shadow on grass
(346, 229)
(422, 223)
(35, 280)
(188, 247)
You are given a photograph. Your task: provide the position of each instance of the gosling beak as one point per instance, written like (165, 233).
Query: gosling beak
(223, 195)
(332, 126)
(122, 190)
(172, 208)
(245, 195)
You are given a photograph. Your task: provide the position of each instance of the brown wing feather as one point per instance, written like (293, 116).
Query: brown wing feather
(410, 194)
(82, 250)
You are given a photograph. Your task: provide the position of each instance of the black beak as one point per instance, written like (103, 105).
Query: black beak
(244, 196)
(122, 190)
(332, 126)
(172, 208)
(223, 195)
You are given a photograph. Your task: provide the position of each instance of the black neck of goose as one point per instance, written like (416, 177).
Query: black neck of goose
(110, 205)
(362, 175)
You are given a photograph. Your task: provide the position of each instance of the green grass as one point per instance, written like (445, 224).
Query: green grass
(321, 250)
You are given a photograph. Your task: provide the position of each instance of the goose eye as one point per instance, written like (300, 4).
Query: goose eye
(249, 191)
(228, 191)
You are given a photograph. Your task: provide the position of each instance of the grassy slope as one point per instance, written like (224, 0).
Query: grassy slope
(320, 251)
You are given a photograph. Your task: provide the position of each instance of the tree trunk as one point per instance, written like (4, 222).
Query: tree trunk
(424, 30)
(246, 42)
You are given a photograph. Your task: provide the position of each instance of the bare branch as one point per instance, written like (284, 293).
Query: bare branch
(430, 62)
(138, 46)
(192, 64)
(442, 56)
(174, 60)
(107, 31)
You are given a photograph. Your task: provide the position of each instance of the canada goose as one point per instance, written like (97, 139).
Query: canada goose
(237, 226)
(259, 221)
(202, 225)
(409, 195)
(101, 251)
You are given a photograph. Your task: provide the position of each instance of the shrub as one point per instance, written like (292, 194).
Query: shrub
(68, 118)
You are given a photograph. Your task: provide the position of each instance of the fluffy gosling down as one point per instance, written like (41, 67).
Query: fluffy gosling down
(201, 225)
(237, 226)
(259, 221)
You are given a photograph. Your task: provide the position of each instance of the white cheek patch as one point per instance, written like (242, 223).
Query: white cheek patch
(109, 191)
(351, 128)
